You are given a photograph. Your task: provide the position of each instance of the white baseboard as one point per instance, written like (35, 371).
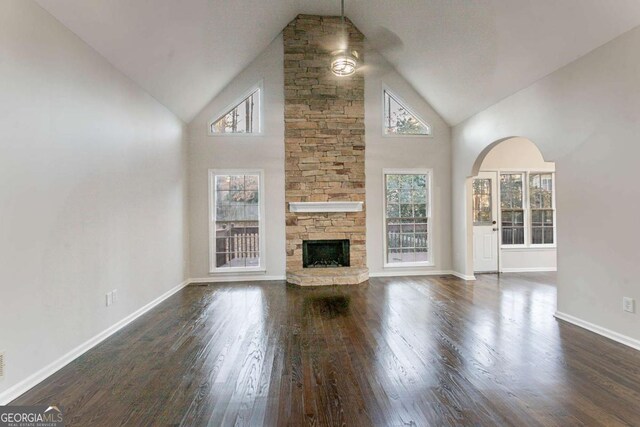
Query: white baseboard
(400, 273)
(23, 386)
(527, 269)
(235, 278)
(622, 339)
(260, 278)
(463, 276)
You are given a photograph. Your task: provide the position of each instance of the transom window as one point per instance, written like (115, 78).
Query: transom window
(243, 118)
(236, 220)
(407, 217)
(400, 120)
(527, 208)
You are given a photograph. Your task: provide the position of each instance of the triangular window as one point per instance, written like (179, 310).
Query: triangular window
(400, 120)
(243, 118)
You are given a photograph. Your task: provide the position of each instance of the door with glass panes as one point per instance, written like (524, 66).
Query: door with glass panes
(485, 222)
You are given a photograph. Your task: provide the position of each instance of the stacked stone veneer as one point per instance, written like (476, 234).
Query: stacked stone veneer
(324, 136)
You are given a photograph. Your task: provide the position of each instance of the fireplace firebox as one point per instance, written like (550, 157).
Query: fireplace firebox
(325, 253)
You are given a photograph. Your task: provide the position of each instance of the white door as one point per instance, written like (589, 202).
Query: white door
(485, 222)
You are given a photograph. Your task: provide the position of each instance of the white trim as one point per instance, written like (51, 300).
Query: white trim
(463, 276)
(401, 101)
(31, 381)
(607, 333)
(527, 269)
(212, 220)
(325, 206)
(400, 273)
(526, 206)
(537, 248)
(396, 265)
(258, 86)
(495, 213)
(413, 171)
(236, 278)
(396, 273)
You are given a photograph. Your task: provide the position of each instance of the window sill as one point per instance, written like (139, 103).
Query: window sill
(235, 135)
(405, 135)
(237, 270)
(528, 248)
(408, 265)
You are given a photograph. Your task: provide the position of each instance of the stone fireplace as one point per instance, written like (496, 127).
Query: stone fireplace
(324, 153)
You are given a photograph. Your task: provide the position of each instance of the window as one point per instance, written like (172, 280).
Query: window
(527, 198)
(243, 118)
(482, 202)
(407, 215)
(400, 120)
(512, 208)
(541, 202)
(236, 218)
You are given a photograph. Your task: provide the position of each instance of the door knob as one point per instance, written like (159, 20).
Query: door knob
(495, 229)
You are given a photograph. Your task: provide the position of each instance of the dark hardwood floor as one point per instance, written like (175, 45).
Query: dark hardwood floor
(404, 351)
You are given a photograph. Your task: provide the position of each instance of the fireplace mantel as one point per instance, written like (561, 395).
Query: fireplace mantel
(325, 206)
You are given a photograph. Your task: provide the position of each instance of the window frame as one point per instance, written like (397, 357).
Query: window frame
(431, 256)
(400, 100)
(527, 209)
(473, 211)
(553, 209)
(213, 269)
(259, 86)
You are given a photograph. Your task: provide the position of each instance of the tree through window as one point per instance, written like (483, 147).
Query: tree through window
(407, 215)
(400, 120)
(541, 201)
(512, 208)
(236, 222)
(243, 118)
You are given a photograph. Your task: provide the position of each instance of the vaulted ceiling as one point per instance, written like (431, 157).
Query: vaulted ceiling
(462, 56)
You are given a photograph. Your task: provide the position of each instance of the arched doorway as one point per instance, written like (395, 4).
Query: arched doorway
(513, 209)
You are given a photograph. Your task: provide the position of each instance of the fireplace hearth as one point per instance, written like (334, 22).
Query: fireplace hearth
(325, 253)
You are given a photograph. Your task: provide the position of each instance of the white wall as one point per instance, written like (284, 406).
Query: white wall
(92, 193)
(520, 154)
(586, 118)
(242, 152)
(267, 152)
(398, 152)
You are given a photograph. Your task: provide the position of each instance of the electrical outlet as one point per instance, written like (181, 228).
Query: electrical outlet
(109, 298)
(628, 305)
(114, 295)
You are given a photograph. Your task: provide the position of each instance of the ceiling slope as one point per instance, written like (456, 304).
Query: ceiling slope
(181, 52)
(461, 56)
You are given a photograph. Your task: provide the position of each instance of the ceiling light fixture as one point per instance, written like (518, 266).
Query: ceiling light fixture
(344, 62)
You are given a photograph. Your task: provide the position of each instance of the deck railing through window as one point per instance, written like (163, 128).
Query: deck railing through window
(236, 247)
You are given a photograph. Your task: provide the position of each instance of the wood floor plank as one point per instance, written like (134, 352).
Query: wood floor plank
(395, 351)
